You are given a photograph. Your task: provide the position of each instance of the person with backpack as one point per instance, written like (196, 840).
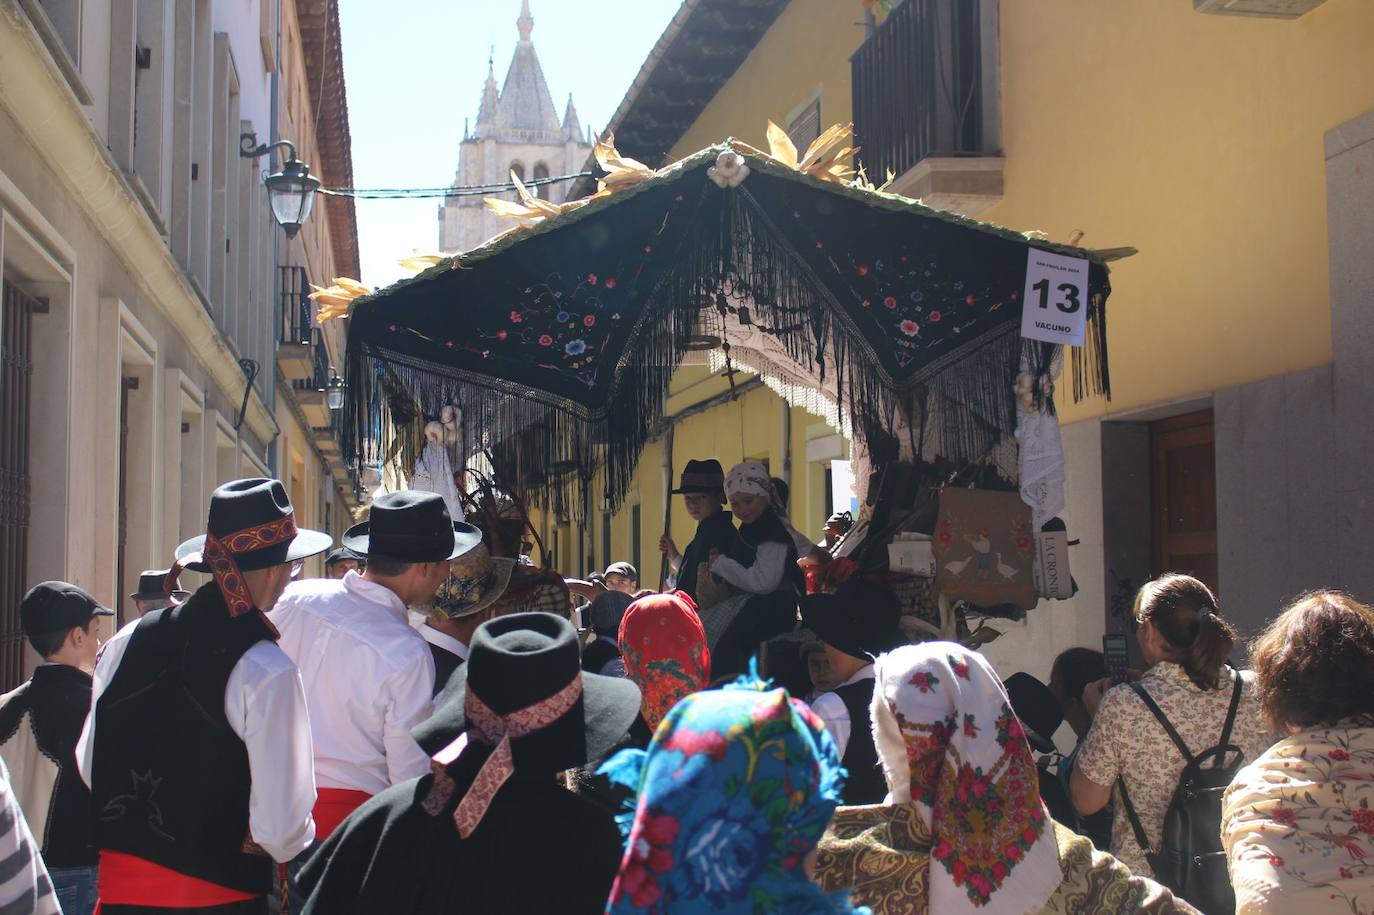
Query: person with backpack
(1165, 747)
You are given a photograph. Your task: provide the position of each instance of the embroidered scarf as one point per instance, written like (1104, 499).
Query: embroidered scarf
(494, 730)
(733, 793)
(664, 647)
(950, 744)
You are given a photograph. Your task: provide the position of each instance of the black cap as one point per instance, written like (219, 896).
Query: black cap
(54, 606)
(341, 554)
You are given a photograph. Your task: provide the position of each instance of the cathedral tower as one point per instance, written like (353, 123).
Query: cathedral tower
(517, 129)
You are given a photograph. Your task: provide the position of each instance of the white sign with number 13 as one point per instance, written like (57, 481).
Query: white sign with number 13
(1055, 301)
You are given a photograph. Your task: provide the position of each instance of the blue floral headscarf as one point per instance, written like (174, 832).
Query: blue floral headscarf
(734, 792)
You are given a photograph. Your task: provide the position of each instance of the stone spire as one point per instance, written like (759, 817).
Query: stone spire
(525, 23)
(526, 103)
(486, 112)
(572, 127)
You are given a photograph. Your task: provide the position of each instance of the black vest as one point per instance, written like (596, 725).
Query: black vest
(56, 701)
(445, 663)
(865, 783)
(717, 531)
(170, 779)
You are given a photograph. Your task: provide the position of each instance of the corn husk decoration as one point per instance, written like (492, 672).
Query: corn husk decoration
(824, 158)
(621, 171)
(419, 261)
(334, 301)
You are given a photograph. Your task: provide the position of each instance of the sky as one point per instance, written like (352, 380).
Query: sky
(415, 70)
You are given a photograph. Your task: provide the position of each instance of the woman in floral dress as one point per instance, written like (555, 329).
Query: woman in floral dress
(734, 791)
(963, 829)
(1298, 822)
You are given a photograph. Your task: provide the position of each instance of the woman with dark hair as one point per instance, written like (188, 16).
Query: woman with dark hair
(1185, 644)
(1298, 822)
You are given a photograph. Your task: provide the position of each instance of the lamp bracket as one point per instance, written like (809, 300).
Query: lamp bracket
(249, 148)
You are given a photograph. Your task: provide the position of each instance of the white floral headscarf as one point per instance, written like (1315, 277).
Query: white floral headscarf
(749, 477)
(951, 746)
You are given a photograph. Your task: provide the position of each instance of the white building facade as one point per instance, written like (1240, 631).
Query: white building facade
(142, 286)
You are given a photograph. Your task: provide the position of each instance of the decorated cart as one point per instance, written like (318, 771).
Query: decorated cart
(932, 340)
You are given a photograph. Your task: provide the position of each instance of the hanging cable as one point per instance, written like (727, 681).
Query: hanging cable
(405, 193)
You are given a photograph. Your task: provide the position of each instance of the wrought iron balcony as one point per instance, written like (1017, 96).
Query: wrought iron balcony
(924, 99)
(294, 330)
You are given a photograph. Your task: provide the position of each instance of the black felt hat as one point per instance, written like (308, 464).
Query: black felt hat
(1039, 711)
(152, 586)
(250, 517)
(701, 476)
(519, 660)
(860, 618)
(411, 526)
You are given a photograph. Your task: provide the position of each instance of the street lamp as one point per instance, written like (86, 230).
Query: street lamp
(334, 391)
(291, 190)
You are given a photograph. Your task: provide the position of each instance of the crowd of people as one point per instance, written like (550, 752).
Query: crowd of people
(426, 730)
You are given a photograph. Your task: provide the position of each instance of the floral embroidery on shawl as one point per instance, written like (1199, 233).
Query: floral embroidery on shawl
(733, 793)
(1298, 822)
(942, 719)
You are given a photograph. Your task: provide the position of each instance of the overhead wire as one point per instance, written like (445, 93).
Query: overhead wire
(473, 190)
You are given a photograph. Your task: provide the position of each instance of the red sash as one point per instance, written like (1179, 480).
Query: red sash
(332, 805)
(129, 880)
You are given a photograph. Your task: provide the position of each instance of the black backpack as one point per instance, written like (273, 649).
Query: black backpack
(1190, 860)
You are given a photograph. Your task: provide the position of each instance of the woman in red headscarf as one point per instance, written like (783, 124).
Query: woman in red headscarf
(664, 647)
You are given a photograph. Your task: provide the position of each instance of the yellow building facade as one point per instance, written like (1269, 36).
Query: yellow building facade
(1236, 153)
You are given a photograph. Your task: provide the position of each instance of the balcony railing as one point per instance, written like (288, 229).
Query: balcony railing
(318, 380)
(918, 87)
(295, 305)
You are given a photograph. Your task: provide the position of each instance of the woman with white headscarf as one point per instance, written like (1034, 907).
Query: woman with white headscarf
(963, 830)
(761, 562)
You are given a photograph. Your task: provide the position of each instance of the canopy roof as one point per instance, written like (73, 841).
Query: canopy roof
(563, 335)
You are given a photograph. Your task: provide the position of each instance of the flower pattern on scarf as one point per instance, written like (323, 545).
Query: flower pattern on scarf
(1297, 823)
(733, 793)
(950, 743)
(664, 647)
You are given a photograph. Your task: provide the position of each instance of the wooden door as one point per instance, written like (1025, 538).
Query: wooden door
(1184, 496)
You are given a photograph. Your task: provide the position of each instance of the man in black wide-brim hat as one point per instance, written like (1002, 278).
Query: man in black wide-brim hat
(197, 749)
(490, 829)
(368, 675)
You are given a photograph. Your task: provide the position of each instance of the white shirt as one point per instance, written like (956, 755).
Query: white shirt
(445, 641)
(368, 676)
(835, 713)
(763, 577)
(265, 706)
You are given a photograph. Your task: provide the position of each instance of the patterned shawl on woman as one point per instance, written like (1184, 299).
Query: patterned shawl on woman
(1298, 823)
(965, 830)
(733, 793)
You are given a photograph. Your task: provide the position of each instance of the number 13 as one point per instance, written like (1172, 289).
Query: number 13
(1070, 291)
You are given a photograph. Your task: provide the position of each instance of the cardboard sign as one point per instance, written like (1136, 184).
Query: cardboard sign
(1052, 577)
(1054, 304)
